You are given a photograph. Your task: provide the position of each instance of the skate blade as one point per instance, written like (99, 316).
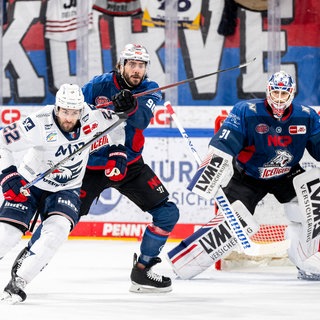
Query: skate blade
(138, 288)
(7, 298)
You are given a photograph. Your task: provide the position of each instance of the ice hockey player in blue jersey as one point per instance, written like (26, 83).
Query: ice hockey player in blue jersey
(140, 184)
(267, 139)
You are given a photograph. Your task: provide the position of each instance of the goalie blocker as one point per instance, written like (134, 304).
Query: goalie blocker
(214, 172)
(210, 243)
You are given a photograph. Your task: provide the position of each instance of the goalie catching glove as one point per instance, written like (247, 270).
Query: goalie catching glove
(124, 101)
(11, 182)
(116, 167)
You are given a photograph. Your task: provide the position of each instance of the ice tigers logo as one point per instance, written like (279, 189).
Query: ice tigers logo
(282, 158)
(277, 166)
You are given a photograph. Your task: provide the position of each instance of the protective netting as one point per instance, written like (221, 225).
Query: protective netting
(269, 233)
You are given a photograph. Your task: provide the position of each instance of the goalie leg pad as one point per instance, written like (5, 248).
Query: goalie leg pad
(304, 229)
(207, 245)
(303, 255)
(307, 187)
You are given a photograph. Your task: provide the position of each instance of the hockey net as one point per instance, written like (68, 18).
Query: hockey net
(273, 223)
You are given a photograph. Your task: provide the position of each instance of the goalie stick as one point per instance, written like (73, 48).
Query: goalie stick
(122, 117)
(248, 247)
(175, 84)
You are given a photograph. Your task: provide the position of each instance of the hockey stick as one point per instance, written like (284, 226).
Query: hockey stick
(122, 117)
(250, 248)
(140, 94)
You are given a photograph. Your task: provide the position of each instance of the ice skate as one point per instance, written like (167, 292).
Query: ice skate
(146, 281)
(302, 275)
(13, 293)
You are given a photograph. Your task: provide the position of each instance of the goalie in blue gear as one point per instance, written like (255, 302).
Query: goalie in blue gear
(267, 139)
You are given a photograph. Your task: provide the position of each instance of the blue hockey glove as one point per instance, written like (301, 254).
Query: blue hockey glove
(124, 102)
(11, 182)
(116, 167)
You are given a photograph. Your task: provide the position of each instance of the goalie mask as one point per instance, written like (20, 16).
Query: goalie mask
(69, 97)
(280, 93)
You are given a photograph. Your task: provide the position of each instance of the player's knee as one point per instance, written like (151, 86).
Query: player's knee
(165, 216)
(55, 230)
(9, 237)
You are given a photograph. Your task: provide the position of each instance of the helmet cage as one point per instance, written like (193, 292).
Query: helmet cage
(70, 97)
(281, 82)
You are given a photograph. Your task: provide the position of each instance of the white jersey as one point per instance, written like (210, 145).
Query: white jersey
(45, 145)
(65, 21)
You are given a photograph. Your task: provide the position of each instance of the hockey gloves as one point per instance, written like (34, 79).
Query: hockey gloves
(124, 102)
(116, 167)
(11, 182)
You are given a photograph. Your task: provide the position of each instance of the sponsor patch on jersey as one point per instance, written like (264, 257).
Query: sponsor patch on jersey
(100, 100)
(48, 126)
(262, 128)
(298, 129)
(28, 124)
(51, 137)
(103, 141)
(88, 128)
(233, 119)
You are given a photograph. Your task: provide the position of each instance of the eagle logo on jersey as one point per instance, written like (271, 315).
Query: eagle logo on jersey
(64, 174)
(277, 166)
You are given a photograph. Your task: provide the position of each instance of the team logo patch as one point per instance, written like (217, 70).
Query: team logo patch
(101, 100)
(277, 166)
(299, 129)
(262, 128)
(51, 137)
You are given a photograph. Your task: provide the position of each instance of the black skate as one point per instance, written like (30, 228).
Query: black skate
(303, 275)
(146, 281)
(13, 292)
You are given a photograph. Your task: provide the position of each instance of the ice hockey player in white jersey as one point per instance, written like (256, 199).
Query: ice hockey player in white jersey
(44, 139)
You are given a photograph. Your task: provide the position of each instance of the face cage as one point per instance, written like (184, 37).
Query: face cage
(278, 108)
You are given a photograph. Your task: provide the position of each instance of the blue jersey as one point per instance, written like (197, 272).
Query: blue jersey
(264, 147)
(100, 90)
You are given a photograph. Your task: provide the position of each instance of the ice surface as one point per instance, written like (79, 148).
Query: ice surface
(89, 279)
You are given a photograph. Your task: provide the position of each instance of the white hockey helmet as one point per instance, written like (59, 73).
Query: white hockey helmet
(134, 52)
(69, 96)
(280, 82)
